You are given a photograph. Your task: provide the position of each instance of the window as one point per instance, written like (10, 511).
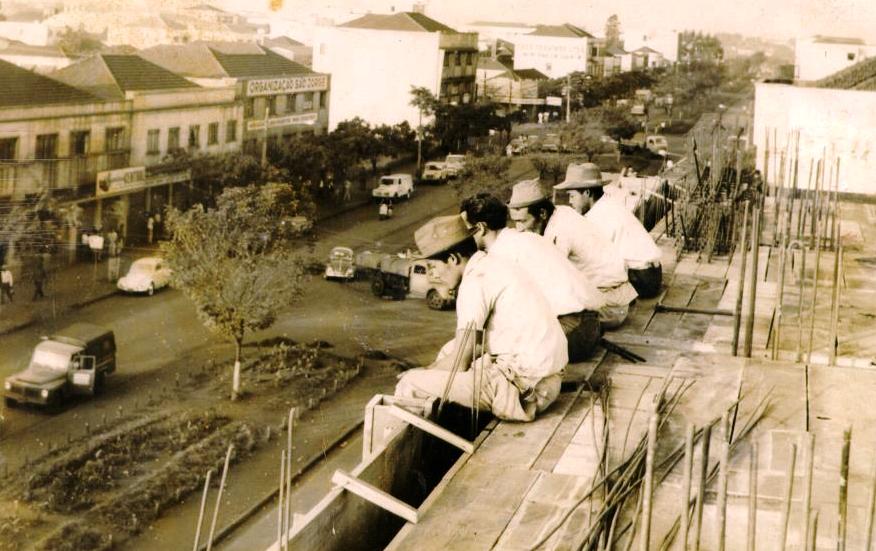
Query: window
(419, 269)
(850, 56)
(152, 145)
(322, 96)
(290, 103)
(47, 146)
(446, 59)
(195, 136)
(249, 107)
(173, 139)
(7, 148)
(307, 104)
(115, 139)
(79, 143)
(272, 105)
(213, 133)
(230, 131)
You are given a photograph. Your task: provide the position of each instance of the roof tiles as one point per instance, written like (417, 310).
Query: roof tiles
(22, 88)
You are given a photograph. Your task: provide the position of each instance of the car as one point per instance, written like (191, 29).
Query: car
(434, 172)
(518, 146)
(453, 164)
(340, 264)
(394, 186)
(551, 143)
(146, 275)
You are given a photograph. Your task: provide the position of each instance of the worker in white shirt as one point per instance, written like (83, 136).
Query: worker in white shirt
(641, 255)
(516, 371)
(573, 299)
(584, 245)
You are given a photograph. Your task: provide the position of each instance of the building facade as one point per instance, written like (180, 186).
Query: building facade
(555, 50)
(404, 50)
(818, 56)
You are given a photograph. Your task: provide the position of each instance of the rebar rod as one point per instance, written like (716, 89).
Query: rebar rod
(201, 510)
(701, 485)
(844, 490)
(786, 502)
(751, 539)
(737, 311)
(281, 518)
(686, 483)
(807, 484)
(835, 304)
(648, 486)
(219, 496)
(288, 504)
(871, 508)
(752, 290)
(816, 270)
(724, 460)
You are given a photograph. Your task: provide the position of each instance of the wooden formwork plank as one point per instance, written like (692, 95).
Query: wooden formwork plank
(576, 415)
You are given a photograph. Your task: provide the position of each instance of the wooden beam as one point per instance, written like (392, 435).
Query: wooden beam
(374, 495)
(429, 427)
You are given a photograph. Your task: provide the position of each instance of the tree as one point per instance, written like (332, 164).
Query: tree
(550, 166)
(236, 262)
(613, 31)
(78, 42)
(488, 174)
(426, 103)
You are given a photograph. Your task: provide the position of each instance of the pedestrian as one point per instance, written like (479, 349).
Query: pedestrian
(517, 370)
(6, 285)
(642, 257)
(581, 242)
(509, 150)
(39, 278)
(573, 299)
(150, 229)
(389, 209)
(348, 190)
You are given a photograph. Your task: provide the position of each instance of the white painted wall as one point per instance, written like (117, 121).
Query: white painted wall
(372, 72)
(841, 123)
(33, 33)
(664, 41)
(554, 56)
(40, 63)
(815, 60)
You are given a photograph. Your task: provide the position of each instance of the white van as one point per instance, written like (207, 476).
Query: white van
(394, 186)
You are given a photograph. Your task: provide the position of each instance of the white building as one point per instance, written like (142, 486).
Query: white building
(663, 41)
(489, 32)
(818, 56)
(836, 122)
(42, 59)
(34, 33)
(555, 50)
(376, 59)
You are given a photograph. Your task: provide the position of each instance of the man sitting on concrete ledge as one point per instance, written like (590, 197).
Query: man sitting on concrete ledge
(515, 371)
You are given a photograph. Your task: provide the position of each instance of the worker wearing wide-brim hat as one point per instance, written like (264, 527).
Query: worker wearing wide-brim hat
(642, 257)
(521, 351)
(576, 238)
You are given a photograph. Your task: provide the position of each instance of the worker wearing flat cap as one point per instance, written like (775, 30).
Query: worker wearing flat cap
(572, 298)
(509, 350)
(641, 255)
(575, 237)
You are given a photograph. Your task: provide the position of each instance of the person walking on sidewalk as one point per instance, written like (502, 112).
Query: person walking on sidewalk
(39, 278)
(6, 285)
(348, 189)
(150, 229)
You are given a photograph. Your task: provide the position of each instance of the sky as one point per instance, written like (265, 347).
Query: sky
(784, 19)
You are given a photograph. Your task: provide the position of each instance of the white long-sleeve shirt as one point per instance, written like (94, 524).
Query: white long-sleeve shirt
(625, 232)
(566, 289)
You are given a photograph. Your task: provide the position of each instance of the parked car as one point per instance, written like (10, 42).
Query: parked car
(518, 145)
(73, 361)
(453, 164)
(394, 186)
(551, 143)
(434, 172)
(146, 275)
(340, 264)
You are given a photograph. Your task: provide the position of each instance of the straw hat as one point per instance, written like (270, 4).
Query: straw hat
(582, 176)
(525, 193)
(441, 233)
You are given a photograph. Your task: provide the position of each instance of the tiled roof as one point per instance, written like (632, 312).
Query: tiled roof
(531, 74)
(191, 60)
(860, 76)
(402, 21)
(20, 48)
(645, 50)
(264, 65)
(615, 50)
(837, 40)
(491, 64)
(110, 76)
(22, 88)
(561, 31)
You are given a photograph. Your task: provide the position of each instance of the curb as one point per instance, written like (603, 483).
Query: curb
(72, 306)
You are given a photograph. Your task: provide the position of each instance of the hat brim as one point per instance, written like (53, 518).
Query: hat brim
(590, 184)
(524, 204)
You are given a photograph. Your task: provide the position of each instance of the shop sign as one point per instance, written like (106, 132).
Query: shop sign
(113, 182)
(276, 122)
(554, 101)
(171, 178)
(291, 85)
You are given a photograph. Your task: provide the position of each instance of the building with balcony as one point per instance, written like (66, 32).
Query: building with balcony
(280, 98)
(555, 50)
(169, 115)
(376, 59)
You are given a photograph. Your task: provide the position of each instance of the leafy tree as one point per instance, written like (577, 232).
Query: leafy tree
(618, 123)
(612, 31)
(426, 103)
(78, 42)
(236, 262)
(488, 174)
(551, 167)
(305, 159)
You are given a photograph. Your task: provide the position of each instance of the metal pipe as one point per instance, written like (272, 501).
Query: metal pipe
(786, 503)
(737, 311)
(751, 540)
(702, 476)
(219, 497)
(752, 291)
(685, 484)
(832, 343)
(844, 490)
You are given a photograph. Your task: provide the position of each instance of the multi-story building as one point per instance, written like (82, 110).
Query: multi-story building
(168, 115)
(555, 50)
(819, 56)
(514, 90)
(280, 98)
(290, 49)
(490, 33)
(375, 60)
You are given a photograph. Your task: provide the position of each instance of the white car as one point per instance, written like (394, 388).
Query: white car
(394, 186)
(340, 264)
(454, 164)
(434, 172)
(145, 275)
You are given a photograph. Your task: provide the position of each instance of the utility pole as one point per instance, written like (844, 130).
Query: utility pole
(419, 140)
(265, 140)
(568, 102)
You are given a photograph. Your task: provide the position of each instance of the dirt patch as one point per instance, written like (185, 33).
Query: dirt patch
(103, 489)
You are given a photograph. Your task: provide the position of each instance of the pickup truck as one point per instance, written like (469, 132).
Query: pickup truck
(71, 362)
(400, 276)
(654, 144)
(394, 186)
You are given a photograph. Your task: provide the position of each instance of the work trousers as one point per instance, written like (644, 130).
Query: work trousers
(582, 331)
(647, 281)
(487, 385)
